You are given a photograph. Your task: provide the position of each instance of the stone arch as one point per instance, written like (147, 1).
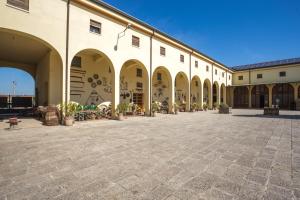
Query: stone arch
(182, 91)
(283, 95)
(196, 91)
(207, 90)
(223, 93)
(162, 88)
(260, 96)
(241, 97)
(134, 84)
(92, 78)
(37, 57)
(216, 93)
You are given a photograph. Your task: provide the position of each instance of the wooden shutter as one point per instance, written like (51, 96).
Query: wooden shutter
(23, 4)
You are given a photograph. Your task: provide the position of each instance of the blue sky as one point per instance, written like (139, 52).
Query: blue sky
(234, 32)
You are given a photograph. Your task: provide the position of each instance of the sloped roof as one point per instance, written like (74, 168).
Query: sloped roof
(268, 64)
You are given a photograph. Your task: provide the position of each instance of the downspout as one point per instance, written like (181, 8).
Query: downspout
(191, 80)
(212, 86)
(67, 51)
(151, 63)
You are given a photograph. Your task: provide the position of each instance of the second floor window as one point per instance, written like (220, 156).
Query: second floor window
(223, 74)
(182, 58)
(216, 72)
(139, 72)
(207, 68)
(135, 41)
(259, 75)
(162, 51)
(22, 4)
(196, 63)
(282, 74)
(241, 78)
(95, 27)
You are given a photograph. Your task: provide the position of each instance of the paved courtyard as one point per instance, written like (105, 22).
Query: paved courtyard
(200, 155)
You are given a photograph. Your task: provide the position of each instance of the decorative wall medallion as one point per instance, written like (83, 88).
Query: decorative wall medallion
(94, 85)
(96, 76)
(90, 80)
(99, 82)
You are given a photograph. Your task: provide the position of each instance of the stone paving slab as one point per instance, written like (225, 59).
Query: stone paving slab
(203, 155)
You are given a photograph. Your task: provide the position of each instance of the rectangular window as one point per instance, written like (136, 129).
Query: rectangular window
(229, 77)
(76, 62)
(182, 58)
(282, 74)
(162, 51)
(216, 72)
(241, 78)
(223, 74)
(259, 76)
(207, 68)
(135, 41)
(139, 72)
(95, 27)
(159, 77)
(139, 85)
(22, 4)
(196, 63)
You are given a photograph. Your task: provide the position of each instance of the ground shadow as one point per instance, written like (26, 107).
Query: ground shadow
(272, 117)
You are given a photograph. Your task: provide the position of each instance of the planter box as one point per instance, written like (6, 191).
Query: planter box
(271, 111)
(224, 110)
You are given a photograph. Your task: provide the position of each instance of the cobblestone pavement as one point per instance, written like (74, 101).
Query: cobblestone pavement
(201, 155)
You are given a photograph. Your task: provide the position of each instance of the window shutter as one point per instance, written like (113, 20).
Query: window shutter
(23, 4)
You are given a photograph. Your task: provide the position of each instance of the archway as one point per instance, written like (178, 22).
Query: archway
(216, 93)
(92, 78)
(283, 96)
(241, 97)
(260, 96)
(17, 91)
(162, 88)
(182, 91)
(134, 86)
(223, 93)
(196, 91)
(38, 58)
(207, 93)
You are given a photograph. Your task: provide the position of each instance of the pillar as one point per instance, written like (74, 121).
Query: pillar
(232, 95)
(250, 96)
(295, 86)
(270, 88)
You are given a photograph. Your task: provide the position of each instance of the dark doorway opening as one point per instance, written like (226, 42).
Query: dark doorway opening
(262, 101)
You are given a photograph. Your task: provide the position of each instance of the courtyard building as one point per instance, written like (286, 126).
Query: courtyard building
(90, 52)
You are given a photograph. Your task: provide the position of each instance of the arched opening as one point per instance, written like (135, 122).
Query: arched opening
(241, 97)
(134, 84)
(181, 91)
(38, 58)
(260, 96)
(207, 93)
(216, 93)
(92, 78)
(223, 93)
(17, 91)
(283, 96)
(162, 88)
(196, 91)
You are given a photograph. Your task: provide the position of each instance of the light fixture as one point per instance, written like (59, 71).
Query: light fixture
(122, 34)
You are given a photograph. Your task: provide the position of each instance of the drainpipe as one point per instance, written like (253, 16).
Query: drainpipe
(190, 93)
(67, 51)
(212, 85)
(151, 63)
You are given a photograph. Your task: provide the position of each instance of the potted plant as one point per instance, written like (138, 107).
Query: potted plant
(155, 108)
(121, 110)
(224, 108)
(69, 110)
(175, 108)
(194, 107)
(205, 106)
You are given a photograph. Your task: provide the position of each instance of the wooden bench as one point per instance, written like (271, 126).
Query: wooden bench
(13, 122)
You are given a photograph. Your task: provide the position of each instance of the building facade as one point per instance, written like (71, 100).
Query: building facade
(89, 52)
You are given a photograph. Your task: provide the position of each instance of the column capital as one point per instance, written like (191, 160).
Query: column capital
(270, 86)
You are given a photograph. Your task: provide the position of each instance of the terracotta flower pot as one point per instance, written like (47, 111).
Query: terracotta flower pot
(69, 121)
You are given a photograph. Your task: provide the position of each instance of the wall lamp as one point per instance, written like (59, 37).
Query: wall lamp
(122, 34)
